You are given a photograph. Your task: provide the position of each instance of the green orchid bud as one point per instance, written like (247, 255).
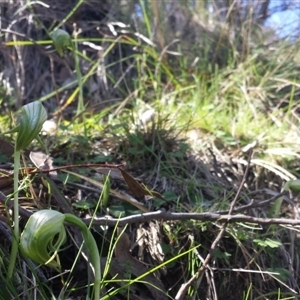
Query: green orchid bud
(42, 237)
(62, 41)
(293, 185)
(105, 190)
(33, 116)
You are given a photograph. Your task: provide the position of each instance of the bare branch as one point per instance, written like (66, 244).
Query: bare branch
(168, 216)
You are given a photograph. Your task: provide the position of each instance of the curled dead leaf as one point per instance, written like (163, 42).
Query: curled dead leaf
(138, 189)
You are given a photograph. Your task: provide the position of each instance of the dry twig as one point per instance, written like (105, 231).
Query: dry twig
(184, 287)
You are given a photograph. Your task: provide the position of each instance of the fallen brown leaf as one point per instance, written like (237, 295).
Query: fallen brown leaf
(138, 189)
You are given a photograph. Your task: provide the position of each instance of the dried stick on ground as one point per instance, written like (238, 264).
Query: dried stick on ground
(184, 288)
(165, 215)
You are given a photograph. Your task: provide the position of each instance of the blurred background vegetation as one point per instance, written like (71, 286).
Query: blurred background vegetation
(223, 70)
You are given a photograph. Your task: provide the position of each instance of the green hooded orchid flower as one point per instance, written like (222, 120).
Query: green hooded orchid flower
(31, 123)
(33, 116)
(62, 41)
(42, 237)
(45, 233)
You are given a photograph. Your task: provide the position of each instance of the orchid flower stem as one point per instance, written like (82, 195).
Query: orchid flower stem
(33, 116)
(92, 248)
(15, 243)
(80, 106)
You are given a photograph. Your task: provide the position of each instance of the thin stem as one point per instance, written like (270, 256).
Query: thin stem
(80, 106)
(15, 243)
(92, 248)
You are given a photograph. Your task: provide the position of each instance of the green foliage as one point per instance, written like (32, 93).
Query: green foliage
(293, 185)
(123, 210)
(84, 204)
(267, 243)
(280, 273)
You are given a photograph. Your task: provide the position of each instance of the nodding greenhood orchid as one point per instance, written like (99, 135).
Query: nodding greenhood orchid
(33, 116)
(62, 41)
(45, 233)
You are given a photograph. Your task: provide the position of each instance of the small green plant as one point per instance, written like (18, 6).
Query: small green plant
(32, 118)
(44, 232)
(62, 42)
